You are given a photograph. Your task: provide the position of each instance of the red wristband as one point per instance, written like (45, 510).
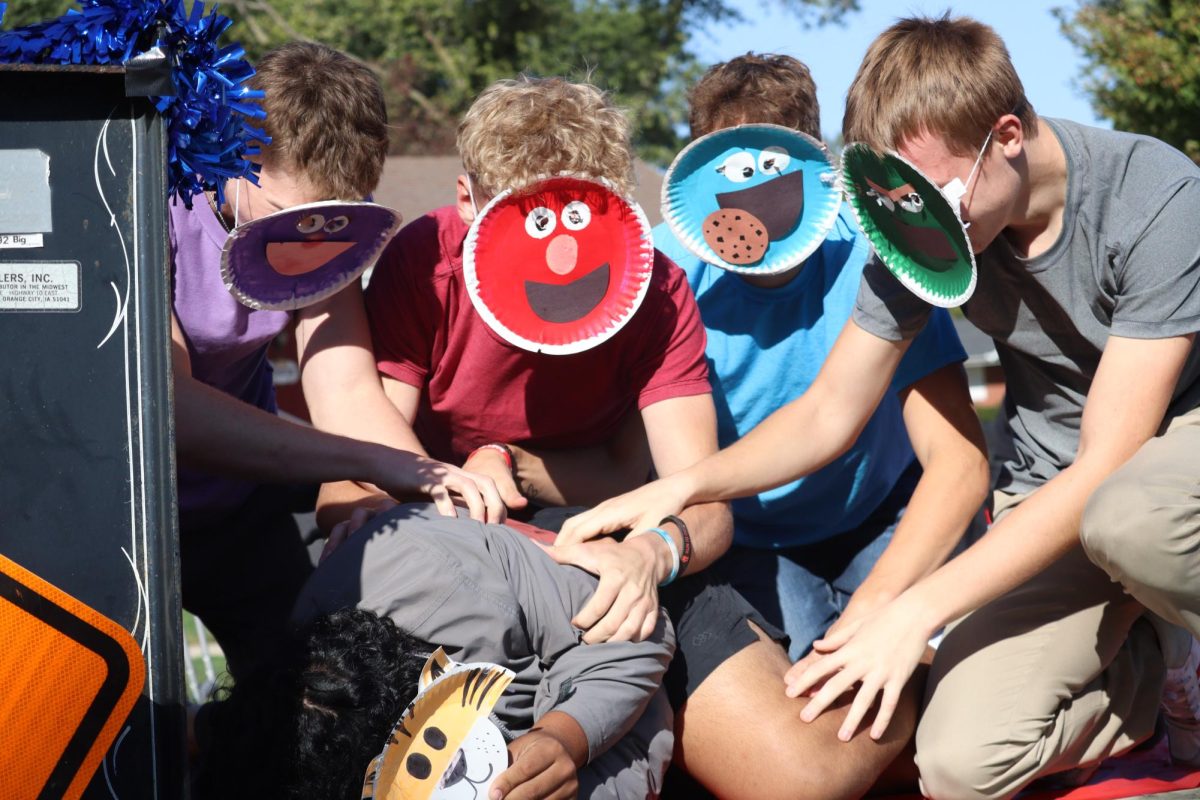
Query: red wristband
(503, 449)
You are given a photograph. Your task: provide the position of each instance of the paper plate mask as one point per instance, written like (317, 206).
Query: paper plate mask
(444, 747)
(296, 257)
(558, 267)
(911, 224)
(755, 199)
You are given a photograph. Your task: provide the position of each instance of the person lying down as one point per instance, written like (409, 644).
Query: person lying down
(590, 719)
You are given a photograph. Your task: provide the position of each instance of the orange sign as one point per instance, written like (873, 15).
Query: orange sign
(70, 678)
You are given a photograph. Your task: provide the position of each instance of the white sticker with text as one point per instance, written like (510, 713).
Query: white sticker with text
(39, 286)
(20, 240)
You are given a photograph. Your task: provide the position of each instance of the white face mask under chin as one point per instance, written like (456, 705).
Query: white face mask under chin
(956, 189)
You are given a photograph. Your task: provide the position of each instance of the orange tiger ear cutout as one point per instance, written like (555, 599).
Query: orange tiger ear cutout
(70, 678)
(444, 746)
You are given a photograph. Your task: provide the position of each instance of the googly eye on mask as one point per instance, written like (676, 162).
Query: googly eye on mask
(913, 226)
(301, 255)
(753, 199)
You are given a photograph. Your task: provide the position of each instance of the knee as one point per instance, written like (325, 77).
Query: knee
(953, 768)
(1128, 530)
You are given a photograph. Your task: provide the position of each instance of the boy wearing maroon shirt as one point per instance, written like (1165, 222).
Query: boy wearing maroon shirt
(563, 429)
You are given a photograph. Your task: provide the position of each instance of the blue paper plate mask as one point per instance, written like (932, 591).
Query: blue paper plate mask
(754, 199)
(303, 254)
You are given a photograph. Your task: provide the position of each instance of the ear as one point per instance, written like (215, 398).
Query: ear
(466, 209)
(1010, 134)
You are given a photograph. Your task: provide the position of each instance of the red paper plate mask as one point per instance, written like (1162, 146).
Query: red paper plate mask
(558, 267)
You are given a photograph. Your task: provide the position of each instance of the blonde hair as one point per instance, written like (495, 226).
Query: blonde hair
(950, 77)
(775, 89)
(325, 116)
(523, 129)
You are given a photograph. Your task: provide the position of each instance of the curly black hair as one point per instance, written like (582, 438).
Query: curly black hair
(307, 724)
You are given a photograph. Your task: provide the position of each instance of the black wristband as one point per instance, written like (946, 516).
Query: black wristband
(685, 552)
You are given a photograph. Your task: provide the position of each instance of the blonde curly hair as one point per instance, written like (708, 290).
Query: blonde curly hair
(519, 130)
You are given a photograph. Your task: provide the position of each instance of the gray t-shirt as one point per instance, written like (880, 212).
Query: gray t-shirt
(1127, 263)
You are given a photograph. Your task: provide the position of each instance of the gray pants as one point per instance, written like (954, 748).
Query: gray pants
(1063, 672)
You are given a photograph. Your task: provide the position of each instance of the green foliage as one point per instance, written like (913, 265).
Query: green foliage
(434, 56)
(27, 12)
(1141, 69)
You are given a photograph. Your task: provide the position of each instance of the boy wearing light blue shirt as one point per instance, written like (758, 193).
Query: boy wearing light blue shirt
(830, 546)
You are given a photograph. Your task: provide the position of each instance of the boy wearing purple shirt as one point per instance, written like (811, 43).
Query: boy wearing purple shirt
(241, 554)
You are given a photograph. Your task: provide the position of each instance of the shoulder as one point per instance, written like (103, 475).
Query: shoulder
(1125, 166)
(424, 249)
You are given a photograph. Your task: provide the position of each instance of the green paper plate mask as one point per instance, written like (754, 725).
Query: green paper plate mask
(911, 224)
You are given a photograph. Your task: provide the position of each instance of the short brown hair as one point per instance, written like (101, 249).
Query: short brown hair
(763, 88)
(325, 116)
(523, 129)
(951, 77)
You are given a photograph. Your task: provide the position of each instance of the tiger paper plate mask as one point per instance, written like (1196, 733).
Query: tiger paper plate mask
(560, 266)
(911, 224)
(444, 747)
(301, 255)
(754, 199)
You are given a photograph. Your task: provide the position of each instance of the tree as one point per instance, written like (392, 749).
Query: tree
(1141, 69)
(434, 56)
(28, 12)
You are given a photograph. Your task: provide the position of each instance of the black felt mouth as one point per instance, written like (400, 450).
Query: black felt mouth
(571, 301)
(778, 203)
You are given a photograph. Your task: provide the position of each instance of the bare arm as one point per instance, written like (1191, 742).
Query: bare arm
(950, 447)
(339, 500)
(796, 440)
(337, 371)
(217, 432)
(581, 476)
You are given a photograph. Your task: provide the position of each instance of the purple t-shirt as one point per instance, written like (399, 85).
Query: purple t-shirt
(227, 343)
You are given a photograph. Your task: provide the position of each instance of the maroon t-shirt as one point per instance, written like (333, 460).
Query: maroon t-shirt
(477, 388)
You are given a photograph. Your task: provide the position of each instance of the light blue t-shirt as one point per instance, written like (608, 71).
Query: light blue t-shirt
(765, 348)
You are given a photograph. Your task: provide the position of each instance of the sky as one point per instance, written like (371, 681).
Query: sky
(1048, 64)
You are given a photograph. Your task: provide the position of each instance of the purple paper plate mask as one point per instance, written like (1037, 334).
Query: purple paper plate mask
(301, 255)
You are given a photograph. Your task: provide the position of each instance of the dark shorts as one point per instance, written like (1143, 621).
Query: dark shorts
(711, 625)
(710, 618)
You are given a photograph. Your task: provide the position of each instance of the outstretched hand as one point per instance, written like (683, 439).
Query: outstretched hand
(641, 509)
(879, 654)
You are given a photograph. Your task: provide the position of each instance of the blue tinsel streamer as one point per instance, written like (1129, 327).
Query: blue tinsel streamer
(208, 119)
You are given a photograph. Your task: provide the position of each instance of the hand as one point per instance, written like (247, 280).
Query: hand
(625, 605)
(491, 463)
(404, 473)
(638, 510)
(880, 653)
(359, 517)
(541, 768)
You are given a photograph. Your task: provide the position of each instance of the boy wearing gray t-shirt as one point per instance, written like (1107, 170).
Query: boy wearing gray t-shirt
(1088, 249)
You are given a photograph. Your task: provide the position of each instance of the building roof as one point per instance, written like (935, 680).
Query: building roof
(414, 185)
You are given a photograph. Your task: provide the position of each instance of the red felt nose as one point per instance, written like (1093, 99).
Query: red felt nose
(562, 254)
